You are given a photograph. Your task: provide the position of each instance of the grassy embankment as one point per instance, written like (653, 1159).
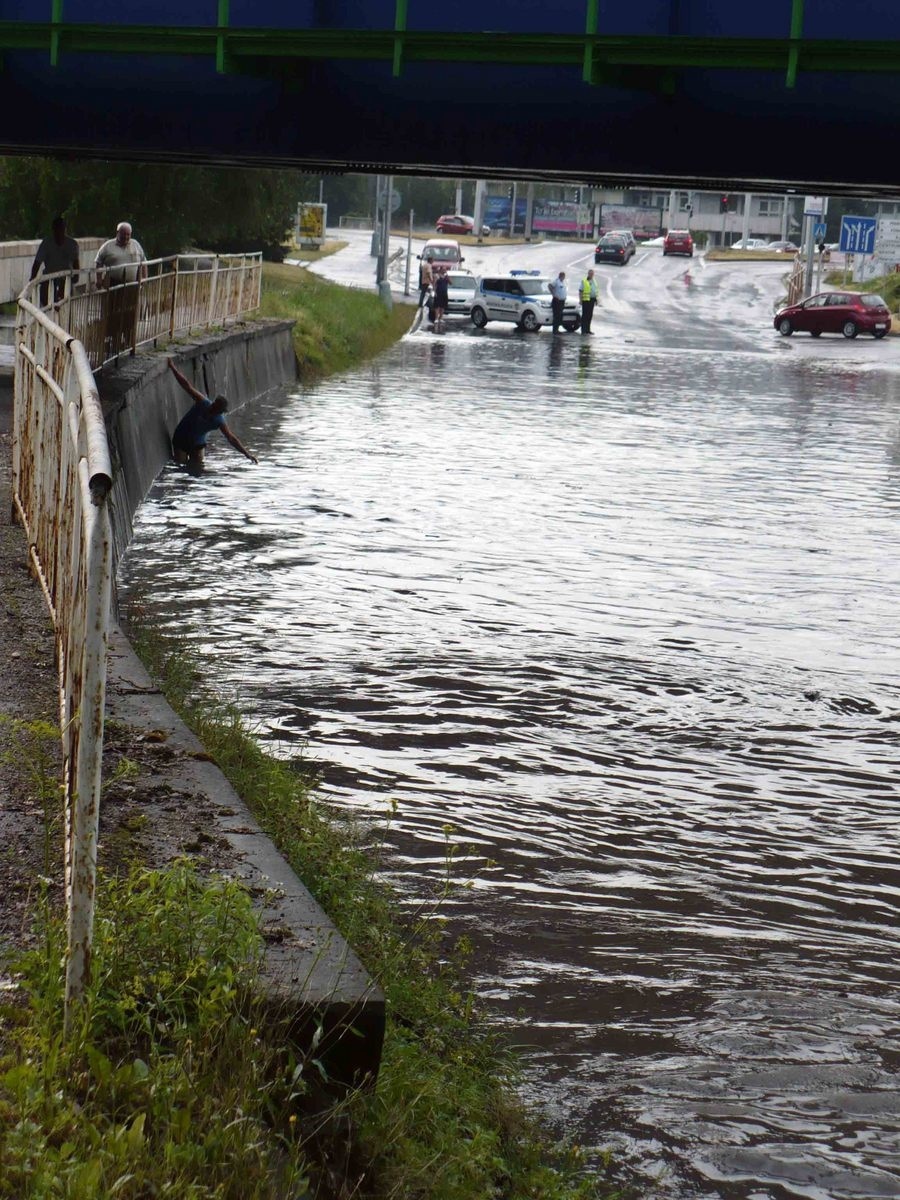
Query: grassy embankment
(174, 1085)
(336, 327)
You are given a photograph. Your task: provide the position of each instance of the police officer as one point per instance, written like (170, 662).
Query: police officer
(588, 294)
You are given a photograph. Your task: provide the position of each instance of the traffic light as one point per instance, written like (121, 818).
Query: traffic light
(578, 195)
(509, 192)
(723, 204)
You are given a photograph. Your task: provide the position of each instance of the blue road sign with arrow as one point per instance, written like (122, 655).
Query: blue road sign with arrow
(819, 230)
(858, 235)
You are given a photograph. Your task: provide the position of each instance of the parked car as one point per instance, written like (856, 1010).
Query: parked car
(460, 292)
(445, 254)
(456, 223)
(522, 299)
(679, 241)
(623, 233)
(848, 313)
(783, 247)
(612, 248)
(749, 244)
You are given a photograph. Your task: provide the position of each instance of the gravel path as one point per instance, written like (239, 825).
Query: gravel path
(30, 848)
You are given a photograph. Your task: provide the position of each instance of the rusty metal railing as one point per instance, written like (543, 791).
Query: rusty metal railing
(796, 281)
(180, 293)
(68, 325)
(61, 479)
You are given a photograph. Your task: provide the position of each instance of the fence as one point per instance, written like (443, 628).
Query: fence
(62, 475)
(111, 316)
(796, 281)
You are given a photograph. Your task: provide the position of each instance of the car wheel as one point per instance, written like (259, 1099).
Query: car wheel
(849, 329)
(880, 333)
(596, 259)
(815, 333)
(570, 326)
(529, 322)
(690, 254)
(785, 328)
(479, 318)
(665, 254)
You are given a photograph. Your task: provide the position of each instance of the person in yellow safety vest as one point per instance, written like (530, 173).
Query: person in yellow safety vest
(588, 294)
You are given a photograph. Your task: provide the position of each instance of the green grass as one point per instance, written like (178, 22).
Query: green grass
(336, 327)
(166, 1086)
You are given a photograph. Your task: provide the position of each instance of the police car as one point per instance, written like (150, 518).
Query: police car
(522, 298)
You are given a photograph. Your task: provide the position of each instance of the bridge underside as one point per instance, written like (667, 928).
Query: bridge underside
(684, 109)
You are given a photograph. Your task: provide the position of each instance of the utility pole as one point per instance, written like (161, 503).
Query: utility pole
(408, 253)
(479, 209)
(512, 210)
(529, 212)
(745, 234)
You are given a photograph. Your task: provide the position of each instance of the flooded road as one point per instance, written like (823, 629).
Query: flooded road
(622, 613)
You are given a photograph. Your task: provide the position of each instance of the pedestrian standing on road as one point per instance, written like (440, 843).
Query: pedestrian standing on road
(441, 298)
(588, 300)
(55, 253)
(189, 438)
(558, 290)
(426, 279)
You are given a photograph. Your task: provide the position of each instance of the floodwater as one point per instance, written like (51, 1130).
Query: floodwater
(622, 614)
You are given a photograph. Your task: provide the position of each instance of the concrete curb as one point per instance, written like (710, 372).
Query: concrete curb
(309, 972)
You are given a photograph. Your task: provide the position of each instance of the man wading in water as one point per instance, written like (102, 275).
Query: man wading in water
(189, 438)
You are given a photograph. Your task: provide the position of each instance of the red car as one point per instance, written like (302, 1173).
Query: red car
(455, 223)
(679, 241)
(848, 313)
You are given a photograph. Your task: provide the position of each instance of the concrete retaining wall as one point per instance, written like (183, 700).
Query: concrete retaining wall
(142, 402)
(310, 973)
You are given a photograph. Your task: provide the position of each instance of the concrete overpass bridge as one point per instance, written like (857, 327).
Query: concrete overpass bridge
(676, 93)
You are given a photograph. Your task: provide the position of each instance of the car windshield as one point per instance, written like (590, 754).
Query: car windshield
(462, 283)
(873, 301)
(443, 253)
(612, 241)
(533, 287)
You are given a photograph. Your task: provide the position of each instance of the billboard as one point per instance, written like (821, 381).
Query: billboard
(643, 222)
(497, 212)
(561, 216)
(311, 224)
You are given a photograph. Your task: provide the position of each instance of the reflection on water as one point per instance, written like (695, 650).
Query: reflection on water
(625, 619)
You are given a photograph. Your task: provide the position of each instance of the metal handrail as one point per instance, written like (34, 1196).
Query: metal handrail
(62, 475)
(111, 316)
(69, 324)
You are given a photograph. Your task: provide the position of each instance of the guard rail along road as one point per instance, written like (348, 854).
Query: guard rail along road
(61, 480)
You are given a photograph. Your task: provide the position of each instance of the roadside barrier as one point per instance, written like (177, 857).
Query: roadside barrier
(183, 292)
(61, 479)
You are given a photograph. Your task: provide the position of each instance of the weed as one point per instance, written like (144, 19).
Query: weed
(167, 1086)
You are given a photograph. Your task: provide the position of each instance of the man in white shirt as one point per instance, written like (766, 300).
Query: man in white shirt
(122, 258)
(558, 290)
(121, 261)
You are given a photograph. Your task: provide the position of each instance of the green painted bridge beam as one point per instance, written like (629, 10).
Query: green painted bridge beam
(598, 57)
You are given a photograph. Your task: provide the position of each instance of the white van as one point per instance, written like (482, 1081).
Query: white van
(522, 299)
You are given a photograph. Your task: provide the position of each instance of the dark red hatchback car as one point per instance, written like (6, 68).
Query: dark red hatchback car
(678, 241)
(848, 313)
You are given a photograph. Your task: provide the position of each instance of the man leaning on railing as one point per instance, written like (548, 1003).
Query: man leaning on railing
(121, 265)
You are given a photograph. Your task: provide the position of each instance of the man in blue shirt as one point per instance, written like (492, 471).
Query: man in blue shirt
(558, 291)
(189, 438)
